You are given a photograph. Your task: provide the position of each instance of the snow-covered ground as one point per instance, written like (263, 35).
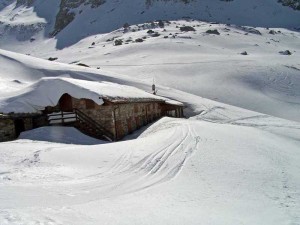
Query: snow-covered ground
(222, 165)
(41, 94)
(60, 134)
(177, 172)
(210, 66)
(206, 65)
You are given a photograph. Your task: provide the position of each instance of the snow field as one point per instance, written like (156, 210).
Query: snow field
(203, 64)
(223, 165)
(224, 174)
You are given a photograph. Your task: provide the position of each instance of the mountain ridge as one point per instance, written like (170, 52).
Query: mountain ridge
(74, 20)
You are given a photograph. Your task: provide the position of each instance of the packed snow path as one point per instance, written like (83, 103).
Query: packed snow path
(224, 174)
(135, 166)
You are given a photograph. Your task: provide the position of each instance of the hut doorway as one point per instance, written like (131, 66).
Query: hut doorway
(65, 103)
(19, 126)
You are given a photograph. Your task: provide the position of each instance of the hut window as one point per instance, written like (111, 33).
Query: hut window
(90, 104)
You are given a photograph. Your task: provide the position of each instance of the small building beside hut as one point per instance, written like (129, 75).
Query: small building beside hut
(100, 109)
(11, 125)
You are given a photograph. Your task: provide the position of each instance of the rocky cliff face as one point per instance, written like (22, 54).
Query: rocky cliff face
(66, 15)
(71, 20)
(150, 2)
(25, 2)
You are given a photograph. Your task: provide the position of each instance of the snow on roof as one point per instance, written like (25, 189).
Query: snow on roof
(47, 92)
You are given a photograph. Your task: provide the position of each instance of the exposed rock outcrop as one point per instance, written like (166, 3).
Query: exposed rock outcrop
(65, 15)
(295, 4)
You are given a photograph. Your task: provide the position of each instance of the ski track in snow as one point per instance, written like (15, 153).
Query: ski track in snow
(123, 176)
(134, 166)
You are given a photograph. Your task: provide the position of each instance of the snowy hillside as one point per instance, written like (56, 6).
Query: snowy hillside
(70, 21)
(234, 159)
(213, 66)
(224, 165)
(208, 65)
(244, 171)
(41, 94)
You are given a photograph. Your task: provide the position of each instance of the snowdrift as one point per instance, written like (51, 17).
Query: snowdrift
(47, 92)
(199, 172)
(62, 135)
(203, 64)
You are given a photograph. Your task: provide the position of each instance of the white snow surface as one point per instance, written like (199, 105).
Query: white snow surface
(60, 134)
(178, 171)
(47, 92)
(224, 165)
(17, 15)
(26, 23)
(203, 64)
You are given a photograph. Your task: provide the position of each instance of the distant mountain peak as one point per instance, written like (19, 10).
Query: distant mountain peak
(71, 20)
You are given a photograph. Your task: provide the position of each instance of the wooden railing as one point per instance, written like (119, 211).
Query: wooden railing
(66, 118)
(101, 130)
(61, 118)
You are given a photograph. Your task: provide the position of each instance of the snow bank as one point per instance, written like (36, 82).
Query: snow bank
(47, 92)
(198, 173)
(65, 135)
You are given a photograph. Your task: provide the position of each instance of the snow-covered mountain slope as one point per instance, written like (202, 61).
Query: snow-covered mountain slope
(223, 165)
(70, 21)
(20, 73)
(208, 65)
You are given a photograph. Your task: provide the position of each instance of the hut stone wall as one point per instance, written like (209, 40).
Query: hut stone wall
(130, 117)
(120, 119)
(101, 114)
(12, 125)
(7, 131)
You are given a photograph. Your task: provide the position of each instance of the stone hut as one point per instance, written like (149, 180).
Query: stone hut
(118, 116)
(100, 109)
